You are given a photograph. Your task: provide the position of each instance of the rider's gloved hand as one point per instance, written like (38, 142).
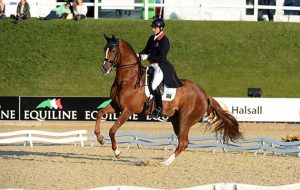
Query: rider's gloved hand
(144, 57)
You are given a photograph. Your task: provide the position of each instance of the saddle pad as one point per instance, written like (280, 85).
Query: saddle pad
(169, 93)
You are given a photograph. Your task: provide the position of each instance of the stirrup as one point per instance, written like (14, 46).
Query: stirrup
(156, 113)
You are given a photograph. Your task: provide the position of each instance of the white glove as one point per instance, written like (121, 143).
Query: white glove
(144, 57)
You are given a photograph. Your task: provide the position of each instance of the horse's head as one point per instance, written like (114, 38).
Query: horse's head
(118, 54)
(112, 54)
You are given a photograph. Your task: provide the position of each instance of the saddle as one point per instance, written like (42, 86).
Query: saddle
(168, 94)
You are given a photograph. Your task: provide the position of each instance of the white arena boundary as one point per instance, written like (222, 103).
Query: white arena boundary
(216, 186)
(31, 136)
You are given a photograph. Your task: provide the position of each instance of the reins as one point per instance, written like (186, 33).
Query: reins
(140, 72)
(122, 66)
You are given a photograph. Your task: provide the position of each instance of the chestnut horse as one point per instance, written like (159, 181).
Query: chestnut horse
(128, 97)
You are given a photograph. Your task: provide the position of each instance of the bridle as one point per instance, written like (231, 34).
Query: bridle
(117, 54)
(117, 57)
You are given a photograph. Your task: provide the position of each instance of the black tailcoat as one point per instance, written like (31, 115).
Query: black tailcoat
(157, 50)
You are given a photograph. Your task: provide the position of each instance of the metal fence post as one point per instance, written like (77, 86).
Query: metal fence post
(96, 8)
(255, 6)
(146, 9)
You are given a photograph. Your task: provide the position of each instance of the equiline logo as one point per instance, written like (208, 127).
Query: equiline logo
(50, 109)
(104, 104)
(7, 114)
(51, 104)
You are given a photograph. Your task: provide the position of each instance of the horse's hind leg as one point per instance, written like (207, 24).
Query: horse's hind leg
(182, 144)
(181, 125)
(175, 122)
(106, 110)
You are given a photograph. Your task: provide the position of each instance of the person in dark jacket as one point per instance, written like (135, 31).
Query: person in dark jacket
(155, 52)
(269, 12)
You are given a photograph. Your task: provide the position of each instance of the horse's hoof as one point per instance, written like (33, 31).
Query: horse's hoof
(117, 154)
(168, 161)
(164, 163)
(101, 140)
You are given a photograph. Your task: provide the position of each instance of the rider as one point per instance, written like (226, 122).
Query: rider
(155, 52)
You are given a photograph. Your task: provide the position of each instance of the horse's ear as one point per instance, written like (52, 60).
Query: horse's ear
(106, 37)
(114, 39)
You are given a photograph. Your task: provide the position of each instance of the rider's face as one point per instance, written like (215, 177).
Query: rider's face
(156, 30)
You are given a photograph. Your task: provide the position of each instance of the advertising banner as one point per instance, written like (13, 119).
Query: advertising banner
(263, 109)
(9, 108)
(69, 109)
(86, 109)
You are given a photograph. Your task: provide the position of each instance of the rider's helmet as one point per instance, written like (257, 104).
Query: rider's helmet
(159, 22)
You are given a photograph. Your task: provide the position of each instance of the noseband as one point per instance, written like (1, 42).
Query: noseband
(116, 54)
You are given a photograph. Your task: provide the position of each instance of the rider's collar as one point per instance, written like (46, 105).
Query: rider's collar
(159, 36)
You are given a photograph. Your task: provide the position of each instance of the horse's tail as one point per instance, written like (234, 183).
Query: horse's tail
(226, 124)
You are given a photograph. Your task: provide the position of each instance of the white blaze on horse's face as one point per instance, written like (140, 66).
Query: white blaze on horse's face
(106, 66)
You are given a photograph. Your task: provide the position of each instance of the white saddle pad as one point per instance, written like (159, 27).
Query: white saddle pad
(169, 93)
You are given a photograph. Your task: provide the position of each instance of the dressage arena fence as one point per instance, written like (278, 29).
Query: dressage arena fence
(30, 136)
(264, 145)
(165, 140)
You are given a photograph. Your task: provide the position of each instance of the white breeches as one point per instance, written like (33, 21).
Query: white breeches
(158, 75)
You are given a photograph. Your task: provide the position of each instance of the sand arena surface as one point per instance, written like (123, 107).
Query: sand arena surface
(51, 166)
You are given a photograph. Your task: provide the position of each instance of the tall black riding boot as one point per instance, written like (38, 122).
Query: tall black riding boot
(158, 104)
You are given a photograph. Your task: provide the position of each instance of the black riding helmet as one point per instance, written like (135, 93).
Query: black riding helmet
(158, 23)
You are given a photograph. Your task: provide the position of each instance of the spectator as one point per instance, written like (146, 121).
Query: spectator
(23, 11)
(118, 13)
(80, 10)
(159, 11)
(269, 12)
(2, 9)
(63, 12)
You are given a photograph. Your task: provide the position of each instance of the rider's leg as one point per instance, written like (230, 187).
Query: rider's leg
(158, 77)
(158, 104)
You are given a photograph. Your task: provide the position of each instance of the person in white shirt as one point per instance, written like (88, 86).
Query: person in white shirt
(2, 9)
(80, 10)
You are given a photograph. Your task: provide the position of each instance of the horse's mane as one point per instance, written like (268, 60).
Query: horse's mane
(130, 48)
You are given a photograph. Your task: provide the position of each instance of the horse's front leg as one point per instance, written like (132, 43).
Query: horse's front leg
(120, 121)
(106, 110)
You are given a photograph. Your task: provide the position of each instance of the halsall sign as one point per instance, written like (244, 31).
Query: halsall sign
(263, 109)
